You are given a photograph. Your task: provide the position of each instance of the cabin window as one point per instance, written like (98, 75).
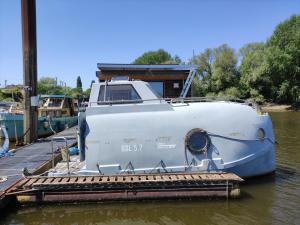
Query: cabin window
(54, 102)
(124, 93)
(158, 87)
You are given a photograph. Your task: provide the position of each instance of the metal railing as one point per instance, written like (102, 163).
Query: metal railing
(176, 100)
(65, 139)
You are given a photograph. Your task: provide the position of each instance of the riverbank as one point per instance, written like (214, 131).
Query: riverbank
(272, 107)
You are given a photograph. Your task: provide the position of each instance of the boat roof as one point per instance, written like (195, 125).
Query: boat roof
(144, 71)
(131, 67)
(55, 96)
(8, 103)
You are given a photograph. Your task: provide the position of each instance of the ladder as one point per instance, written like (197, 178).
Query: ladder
(188, 83)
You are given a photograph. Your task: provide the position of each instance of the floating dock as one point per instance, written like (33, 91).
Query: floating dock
(36, 157)
(125, 187)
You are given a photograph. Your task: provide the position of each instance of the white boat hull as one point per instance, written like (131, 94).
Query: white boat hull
(147, 139)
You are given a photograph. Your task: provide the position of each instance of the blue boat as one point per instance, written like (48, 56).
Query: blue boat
(56, 113)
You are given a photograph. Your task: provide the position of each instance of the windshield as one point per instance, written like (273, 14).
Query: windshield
(118, 93)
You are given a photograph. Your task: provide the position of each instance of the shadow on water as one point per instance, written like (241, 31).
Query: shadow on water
(280, 175)
(285, 172)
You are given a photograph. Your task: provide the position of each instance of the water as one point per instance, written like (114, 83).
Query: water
(267, 200)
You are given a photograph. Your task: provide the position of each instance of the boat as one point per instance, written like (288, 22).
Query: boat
(55, 113)
(128, 128)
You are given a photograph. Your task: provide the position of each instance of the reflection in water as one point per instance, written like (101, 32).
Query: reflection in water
(265, 200)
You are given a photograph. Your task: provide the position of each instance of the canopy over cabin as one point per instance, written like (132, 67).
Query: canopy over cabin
(167, 79)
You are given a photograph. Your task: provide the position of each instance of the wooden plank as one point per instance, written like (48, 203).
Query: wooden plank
(150, 178)
(104, 179)
(41, 180)
(188, 177)
(73, 180)
(56, 180)
(65, 180)
(89, 180)
(48, 180)
(195, 177)
(180, 177)
(96, 180)
(22, 182)
(143, 178)
(30, 182)
(173, 177)
(135, 179)
(80, 180)
(127, 179)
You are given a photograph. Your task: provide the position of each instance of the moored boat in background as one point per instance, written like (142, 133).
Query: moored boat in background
(55, 114)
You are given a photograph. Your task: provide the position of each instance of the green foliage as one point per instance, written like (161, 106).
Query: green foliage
(217, 69)
(47, 85)
(224, 71)
(79, 84)
(13, 94)
(252, 58)
(157, 57)
(268, 71)
(282, 61)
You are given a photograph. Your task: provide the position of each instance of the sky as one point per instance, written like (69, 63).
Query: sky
(74, 35)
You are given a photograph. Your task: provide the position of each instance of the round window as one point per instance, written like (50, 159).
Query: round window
(197, 140)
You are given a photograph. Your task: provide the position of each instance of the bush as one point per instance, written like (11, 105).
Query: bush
(256, 97)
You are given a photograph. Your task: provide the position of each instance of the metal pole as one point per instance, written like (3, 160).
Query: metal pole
(52, 149)
(68, 156)
(29, 68)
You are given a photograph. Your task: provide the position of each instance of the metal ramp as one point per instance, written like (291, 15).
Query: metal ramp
(125, 187)
(188, 83)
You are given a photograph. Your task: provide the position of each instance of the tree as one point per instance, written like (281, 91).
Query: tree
(282, 61)
(272, 70)
(225, 74)
(79, 84)
(252, 62)
(204, 61)
(218, 71)
(157, 57)
(47, 85)
(11, 94)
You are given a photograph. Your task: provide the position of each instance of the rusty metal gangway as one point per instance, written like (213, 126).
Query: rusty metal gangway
(125, 187)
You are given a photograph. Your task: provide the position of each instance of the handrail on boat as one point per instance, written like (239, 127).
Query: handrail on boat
(178, 100)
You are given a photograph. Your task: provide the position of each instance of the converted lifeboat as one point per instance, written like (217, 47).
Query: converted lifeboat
(128, 128)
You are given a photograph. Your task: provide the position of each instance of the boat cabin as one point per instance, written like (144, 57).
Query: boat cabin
(167, 80)
(56, 106)
(123, 92)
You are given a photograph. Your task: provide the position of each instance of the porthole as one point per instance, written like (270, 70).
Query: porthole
(261, 134)
(197, 140)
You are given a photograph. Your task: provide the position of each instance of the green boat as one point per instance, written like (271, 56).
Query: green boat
(56, 113)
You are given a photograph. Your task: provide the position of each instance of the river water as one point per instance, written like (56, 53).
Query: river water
(267, 200)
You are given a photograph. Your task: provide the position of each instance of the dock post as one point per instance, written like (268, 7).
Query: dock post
(68, 156)
(52, 152)
(29, 68)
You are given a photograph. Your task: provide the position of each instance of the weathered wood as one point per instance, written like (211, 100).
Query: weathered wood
(141, 186)
(30, 182)
(29, 68)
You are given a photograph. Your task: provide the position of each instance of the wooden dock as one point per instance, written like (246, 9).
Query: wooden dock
(125, 187)
(35, 157)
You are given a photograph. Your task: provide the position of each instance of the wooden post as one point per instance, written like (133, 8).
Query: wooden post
(29, 68)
